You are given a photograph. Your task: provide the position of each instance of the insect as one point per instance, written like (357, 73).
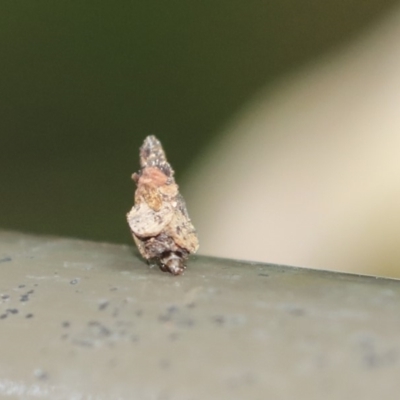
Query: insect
(159, 221)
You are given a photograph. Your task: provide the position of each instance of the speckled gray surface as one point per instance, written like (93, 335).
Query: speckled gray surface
(84, 320)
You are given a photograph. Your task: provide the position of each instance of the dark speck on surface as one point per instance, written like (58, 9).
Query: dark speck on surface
(5, 296)
(29, 315)
(219, 319)
(298, 312)
(124, 323)
(172, 309)
(5, 259)
(115, 313)
(3, 316)
(30, 291)
(74, 281)
(41, 375)
(24, 297)
(186, 322)
(99, 329)
(12, 311)
(139, 313)
(263, 274)
(103, 305)
(134, 338)
(66, 324)
(83, 343)
(375, 359)
(164, 364)
(164, 317)
(173, 336)
(21, 286)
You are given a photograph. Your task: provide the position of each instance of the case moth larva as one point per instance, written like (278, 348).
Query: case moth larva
(159, 221)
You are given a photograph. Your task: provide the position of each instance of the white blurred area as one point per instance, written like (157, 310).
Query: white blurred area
(309, 173)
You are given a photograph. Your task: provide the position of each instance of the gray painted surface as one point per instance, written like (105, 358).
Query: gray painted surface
(84, 320)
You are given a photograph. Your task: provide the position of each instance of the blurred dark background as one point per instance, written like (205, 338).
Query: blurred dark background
(83, 82)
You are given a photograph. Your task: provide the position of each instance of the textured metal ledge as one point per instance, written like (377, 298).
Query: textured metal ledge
(84, 320)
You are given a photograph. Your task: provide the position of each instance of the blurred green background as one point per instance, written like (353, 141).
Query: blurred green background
(83, 82)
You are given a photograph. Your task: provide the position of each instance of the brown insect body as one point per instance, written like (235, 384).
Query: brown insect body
(159, 222)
